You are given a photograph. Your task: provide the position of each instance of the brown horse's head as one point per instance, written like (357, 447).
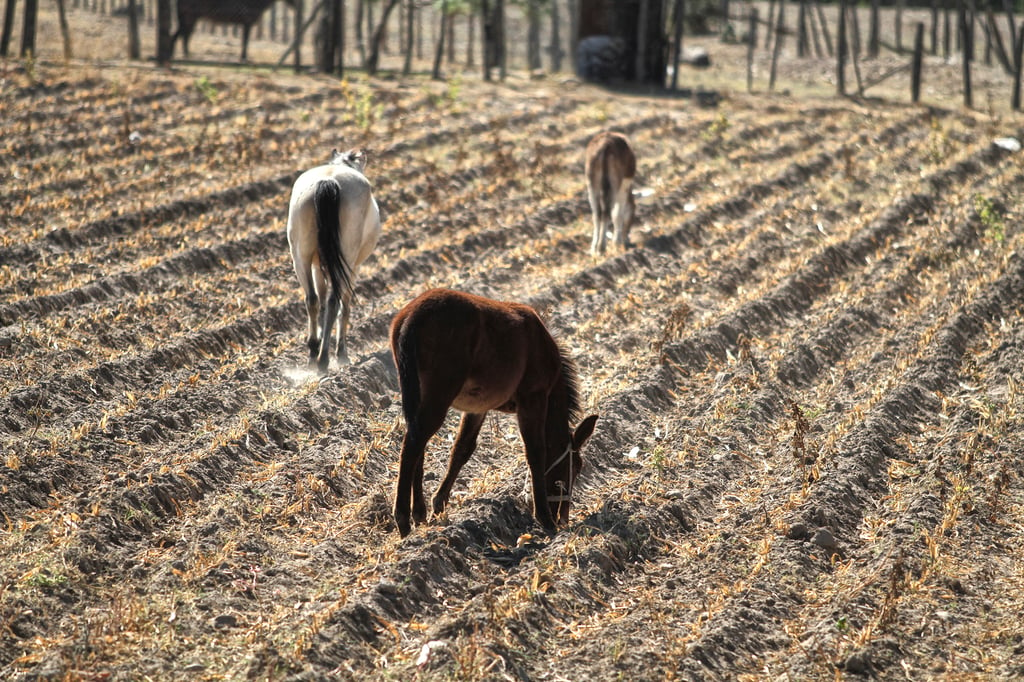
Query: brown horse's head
(564, 466)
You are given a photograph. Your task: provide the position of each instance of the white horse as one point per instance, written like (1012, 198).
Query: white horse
(333, 226)
(610, 167)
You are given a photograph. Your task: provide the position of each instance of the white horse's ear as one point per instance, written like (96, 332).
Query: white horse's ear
(337, 157)
(357, 158)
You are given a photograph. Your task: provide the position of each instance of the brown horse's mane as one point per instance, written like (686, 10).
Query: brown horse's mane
(572, 387)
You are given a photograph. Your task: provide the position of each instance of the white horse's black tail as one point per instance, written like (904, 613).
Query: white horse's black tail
(327, 205)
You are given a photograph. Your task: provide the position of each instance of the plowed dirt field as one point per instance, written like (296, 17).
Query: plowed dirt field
(808, 370)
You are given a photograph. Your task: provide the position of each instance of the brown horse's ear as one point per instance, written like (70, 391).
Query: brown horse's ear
(583, 432)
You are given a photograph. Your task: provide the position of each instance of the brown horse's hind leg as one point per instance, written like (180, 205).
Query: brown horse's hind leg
(465, 444)
(409, 490)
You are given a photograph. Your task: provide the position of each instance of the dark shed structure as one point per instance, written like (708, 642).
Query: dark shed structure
(622, 40)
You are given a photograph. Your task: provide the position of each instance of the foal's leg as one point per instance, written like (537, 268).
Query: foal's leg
(346, 311)
(532, 414)
(465, 444)
(619, 212)
(330, 314)
(597, 242)
(410, 466)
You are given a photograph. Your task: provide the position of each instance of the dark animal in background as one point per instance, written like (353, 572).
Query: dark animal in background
(244, 12)
(333, 226)
(610, 167)
(474, 354)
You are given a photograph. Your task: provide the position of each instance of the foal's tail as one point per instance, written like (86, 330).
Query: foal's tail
(408, 373)
(327, 206)
(604, 196)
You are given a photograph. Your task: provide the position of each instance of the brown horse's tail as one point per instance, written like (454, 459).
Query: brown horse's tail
(327, 205)
(408, 373)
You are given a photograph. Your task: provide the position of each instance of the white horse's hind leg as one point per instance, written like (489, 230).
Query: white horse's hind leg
(346, 310)
(307, 271)
(313, 315)
(329, 315)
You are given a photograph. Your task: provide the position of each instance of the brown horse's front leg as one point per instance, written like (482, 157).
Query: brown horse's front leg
(465, 444)
(531, 415)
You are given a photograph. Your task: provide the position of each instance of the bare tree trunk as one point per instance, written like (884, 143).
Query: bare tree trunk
(966, 48)
(1018, 62)
(500, 43)
(751, 46)
(841, 51)
(677, 57)
(780, 35)
(134, 46)
(825, 34)
(451, 39)
(574, 32)
(533, 35)
(486, 37)
(873, 26)
(65, 31)
(299, 32)
(5, 37)
(802, 43)
(555, 51)
(163, 32)
(28, 30)
(378, 37)
(641, 43)
(442, 30)
(470, 38)
(360, 43)
(410, 23)
(935, 27)
(915, 69)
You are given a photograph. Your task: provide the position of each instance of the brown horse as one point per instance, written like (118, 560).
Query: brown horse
(610, 166)
(464, 351)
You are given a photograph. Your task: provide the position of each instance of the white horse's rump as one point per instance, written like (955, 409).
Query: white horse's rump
(333, 226)
(610, 167)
